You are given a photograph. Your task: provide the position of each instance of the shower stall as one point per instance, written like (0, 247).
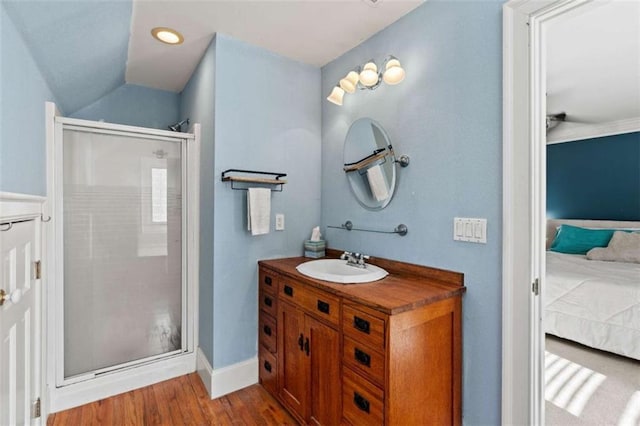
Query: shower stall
(125, 221)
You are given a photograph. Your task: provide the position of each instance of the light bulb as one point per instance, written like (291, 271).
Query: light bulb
(336, 95)
(369, 74)
(394, 73)
(349, 83)
(167, 35)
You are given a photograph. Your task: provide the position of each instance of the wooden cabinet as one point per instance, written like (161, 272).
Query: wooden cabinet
(387, 352)
(309, 375)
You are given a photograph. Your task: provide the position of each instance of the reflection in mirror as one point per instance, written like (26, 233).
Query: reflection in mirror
(369, 163)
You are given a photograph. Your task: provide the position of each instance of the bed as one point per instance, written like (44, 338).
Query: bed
(595, 303)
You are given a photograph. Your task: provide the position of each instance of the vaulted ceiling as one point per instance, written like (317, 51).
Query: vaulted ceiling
(87, 48)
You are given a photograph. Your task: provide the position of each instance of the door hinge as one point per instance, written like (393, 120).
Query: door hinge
(36, 409)
(535, 287)
(38, 269)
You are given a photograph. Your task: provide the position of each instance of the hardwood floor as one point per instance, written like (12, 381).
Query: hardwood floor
(180, 401)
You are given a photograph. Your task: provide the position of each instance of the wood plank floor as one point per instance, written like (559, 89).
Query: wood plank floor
(180, 401)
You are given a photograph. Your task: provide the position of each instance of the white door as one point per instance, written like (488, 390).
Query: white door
(19, 322)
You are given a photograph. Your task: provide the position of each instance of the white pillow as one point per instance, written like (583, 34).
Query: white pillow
(623, 247)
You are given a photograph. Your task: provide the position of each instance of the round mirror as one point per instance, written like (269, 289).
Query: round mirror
(369, 163)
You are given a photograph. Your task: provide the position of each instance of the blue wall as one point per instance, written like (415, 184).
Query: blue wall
(447, 116)
(595, 178)
(23, 92)
(135, 106)
(267, 120)
(198, 102)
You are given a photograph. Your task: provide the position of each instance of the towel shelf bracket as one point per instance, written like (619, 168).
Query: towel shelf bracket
(401, 229)
(239, 178)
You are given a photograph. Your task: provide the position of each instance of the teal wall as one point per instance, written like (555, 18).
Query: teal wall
(596, 178)
(135, 106)
(447, 116)
(23, 92)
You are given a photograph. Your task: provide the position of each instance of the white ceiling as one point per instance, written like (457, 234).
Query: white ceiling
(310, 31)
(593, 65)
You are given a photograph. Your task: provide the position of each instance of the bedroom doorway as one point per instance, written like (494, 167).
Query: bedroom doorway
(589, 299)
(525, 32)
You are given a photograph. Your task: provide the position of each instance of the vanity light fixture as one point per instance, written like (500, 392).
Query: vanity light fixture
(167, 35)
(336, 95)
(368, 77)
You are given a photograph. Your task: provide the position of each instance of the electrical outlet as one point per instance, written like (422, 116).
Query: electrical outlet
(279, 222)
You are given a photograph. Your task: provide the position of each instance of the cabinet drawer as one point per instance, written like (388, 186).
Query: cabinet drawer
(362, 402)
(362, 327)
(267, 332)
(364, 359)
(268, 370)
(320, 304)
(268, 303)
(268, 281)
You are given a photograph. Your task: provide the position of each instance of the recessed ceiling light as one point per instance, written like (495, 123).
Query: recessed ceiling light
(167, 35)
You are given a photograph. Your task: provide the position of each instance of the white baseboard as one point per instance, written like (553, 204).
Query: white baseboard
(223, 381)
(119, 382)
(205, 371)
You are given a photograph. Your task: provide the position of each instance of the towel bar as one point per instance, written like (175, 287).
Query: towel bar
(348, 225)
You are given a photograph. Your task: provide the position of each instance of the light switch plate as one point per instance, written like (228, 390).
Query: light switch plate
(279, 222)
(472, 230)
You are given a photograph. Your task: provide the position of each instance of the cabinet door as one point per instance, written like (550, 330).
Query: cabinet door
(324, 360)
(294, 367)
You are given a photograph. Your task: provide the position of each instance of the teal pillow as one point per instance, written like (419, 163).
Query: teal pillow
(576, 240)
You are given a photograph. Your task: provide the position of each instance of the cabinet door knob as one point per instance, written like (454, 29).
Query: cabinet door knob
(267, 366)
(268, 301)
(306, 346)
(301, 342)
(267, 280)
(288, 290)
(361, 402)
(267, 330)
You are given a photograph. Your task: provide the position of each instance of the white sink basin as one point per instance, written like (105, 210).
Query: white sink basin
(337, 271)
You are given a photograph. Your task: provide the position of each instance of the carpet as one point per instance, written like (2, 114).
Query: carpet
(585, 386)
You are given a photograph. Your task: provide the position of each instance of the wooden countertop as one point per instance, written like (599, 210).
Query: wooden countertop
(406, 287)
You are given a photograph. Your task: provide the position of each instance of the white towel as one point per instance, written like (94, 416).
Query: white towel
(378, 183)
(258, 210)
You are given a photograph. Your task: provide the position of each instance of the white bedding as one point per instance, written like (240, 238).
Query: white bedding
(594, 303)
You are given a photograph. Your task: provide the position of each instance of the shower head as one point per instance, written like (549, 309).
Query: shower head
(178, 126)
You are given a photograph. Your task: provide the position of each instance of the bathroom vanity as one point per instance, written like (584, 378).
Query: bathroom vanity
(386, 352)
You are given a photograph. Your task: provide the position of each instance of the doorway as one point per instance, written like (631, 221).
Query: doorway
(123, 294)
(524, 214)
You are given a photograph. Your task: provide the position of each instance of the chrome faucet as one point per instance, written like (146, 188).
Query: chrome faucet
(355, 259)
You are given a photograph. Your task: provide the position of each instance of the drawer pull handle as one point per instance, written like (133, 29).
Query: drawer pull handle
(362, 357)
(301, 342)
(361, 324)
(267, 366)
(268, 301)
(323, 307)
(361, 402)
(306, 346)
(288, 290)
(267, 330)
(267, 280)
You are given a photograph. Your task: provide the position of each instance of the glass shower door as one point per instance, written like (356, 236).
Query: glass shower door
(123, 250)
